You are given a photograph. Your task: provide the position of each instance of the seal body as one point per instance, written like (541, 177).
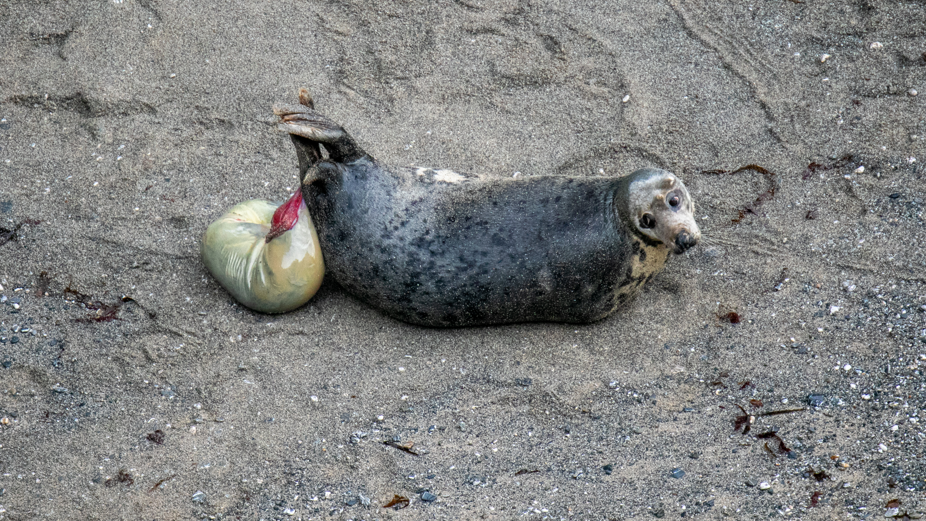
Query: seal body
(439, 248)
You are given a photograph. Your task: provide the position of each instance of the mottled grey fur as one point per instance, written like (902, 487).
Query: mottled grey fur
(437, 248)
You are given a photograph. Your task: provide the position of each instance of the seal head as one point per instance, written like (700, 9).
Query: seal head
(658, 209)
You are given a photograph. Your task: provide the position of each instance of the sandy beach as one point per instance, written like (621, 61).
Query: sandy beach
(775, 370)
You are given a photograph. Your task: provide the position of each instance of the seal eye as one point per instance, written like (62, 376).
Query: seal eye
(647, 221)
(674, 201)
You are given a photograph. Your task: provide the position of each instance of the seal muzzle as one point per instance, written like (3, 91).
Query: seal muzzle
(684, 241)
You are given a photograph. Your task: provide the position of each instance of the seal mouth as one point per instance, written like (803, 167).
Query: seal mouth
(684, 241)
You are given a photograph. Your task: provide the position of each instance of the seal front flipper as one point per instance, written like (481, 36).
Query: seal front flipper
(319, 178)
(304, 121)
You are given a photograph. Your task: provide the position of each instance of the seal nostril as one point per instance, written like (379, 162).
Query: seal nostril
(684, 240)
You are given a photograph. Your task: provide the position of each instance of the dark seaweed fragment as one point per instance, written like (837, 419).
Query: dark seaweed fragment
(404, 447)
(156, 437)
(751, 208)
(815, 167)
(398, 502)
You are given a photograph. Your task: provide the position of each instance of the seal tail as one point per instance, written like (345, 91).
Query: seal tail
(308, 128)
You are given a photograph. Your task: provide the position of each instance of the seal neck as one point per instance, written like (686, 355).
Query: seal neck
(621, 208)
(620, 204)
(285, 217)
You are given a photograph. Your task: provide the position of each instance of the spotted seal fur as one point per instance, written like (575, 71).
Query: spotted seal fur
(439, 248)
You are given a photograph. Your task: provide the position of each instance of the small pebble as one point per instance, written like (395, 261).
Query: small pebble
(608, 469)
(678, 473)
(912, 92)
(764, 485)
(199, 496)
(816, 400)
(892, 512)
(428, 497)
(876, 46)
(751, 482)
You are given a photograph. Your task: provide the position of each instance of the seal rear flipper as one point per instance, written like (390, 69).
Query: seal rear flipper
(304, 121)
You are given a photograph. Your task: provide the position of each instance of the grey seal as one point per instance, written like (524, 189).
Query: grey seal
(440, 248)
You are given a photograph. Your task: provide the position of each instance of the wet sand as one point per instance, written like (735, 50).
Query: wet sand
(133, 387)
